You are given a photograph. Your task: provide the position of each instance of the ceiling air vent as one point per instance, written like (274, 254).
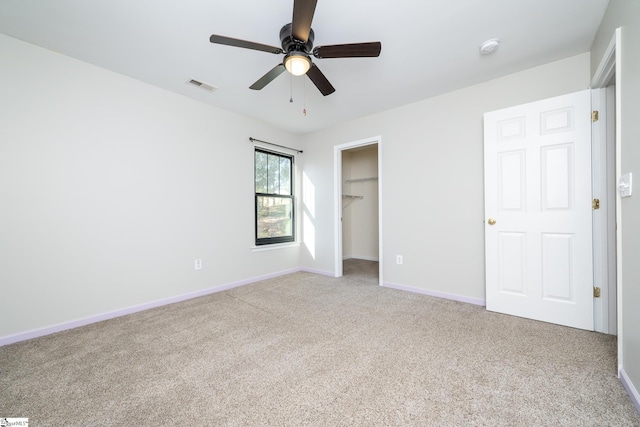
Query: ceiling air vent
(202, 85)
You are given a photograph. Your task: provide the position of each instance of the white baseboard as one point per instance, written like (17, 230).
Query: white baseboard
(321, 272)
(631, 390)
(454, 297)
(35, 333)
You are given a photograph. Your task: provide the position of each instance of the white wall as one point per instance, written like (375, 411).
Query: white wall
(626, 14)
(110, 188)
(360, 216)
(432, 189)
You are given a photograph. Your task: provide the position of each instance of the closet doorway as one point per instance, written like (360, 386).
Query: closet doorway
(358, 222)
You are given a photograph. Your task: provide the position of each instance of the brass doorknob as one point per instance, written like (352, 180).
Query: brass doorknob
(491, 221)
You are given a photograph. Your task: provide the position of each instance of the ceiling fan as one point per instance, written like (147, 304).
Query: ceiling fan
(297, 45)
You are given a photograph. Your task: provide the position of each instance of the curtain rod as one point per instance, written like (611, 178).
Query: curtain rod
(276, 145)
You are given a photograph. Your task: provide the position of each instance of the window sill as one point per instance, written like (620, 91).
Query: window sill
(275, 246)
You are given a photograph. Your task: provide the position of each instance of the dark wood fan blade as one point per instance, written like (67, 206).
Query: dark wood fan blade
(320, 80)
(354, 50)
(303, 11)
(228, 41)
(268, 78)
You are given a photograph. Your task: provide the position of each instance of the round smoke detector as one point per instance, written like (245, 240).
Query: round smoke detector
(489, 46)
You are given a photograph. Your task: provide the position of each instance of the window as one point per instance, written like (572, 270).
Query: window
(274, 198)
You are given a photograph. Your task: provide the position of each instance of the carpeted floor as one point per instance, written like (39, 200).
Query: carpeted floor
(305, 349)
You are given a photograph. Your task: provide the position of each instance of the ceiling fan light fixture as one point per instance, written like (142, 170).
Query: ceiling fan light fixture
(297, 63)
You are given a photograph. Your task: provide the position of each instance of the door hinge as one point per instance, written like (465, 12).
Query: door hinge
(594, 116)
(595, 204)
(596, 292)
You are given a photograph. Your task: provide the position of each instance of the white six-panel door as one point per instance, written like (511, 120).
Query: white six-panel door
(538, 211)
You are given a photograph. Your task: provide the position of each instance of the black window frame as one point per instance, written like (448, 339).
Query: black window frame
(291, 196)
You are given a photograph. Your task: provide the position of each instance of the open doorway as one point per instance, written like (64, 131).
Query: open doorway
(357, 217)
(360, 243)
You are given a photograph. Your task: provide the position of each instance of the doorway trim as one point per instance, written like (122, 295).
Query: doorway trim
(337, 191)
(607, 70)
(604, 234)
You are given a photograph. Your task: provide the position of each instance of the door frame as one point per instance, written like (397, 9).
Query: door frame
(337, 220)
(603, 177)
(605, 73)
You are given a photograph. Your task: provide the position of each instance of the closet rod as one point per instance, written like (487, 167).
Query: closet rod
(275, 145)
(346, 181)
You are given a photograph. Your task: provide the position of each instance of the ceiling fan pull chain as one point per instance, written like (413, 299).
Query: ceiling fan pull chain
(291, 88)
(304, 99)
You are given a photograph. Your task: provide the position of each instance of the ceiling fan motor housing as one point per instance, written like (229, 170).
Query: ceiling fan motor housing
(289, 44)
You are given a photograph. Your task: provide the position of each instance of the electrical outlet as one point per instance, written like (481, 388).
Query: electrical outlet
(399, 259)
(198, 264)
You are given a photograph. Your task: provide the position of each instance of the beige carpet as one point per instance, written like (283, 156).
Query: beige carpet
(311, 350)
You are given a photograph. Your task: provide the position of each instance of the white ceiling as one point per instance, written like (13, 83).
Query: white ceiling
(429, 47)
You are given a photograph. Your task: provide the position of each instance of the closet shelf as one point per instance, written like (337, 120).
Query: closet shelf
(347, 181)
